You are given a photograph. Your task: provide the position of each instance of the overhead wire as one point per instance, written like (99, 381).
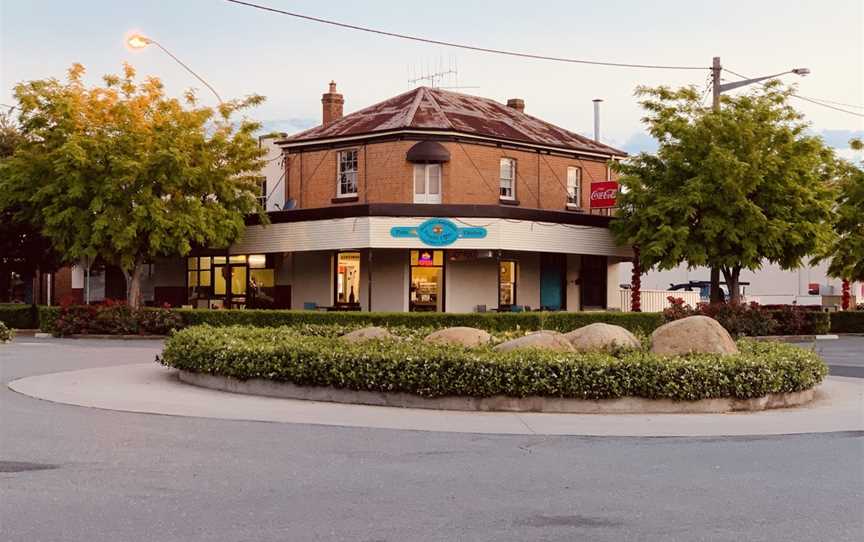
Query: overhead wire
(462, 45)
(817, 101)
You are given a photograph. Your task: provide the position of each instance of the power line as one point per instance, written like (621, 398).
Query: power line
(817, 101)
(462, 45)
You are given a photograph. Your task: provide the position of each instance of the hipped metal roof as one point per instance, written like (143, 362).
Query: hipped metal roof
(434, 109)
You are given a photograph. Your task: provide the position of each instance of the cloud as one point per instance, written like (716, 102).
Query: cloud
(288, 126)
(640, 142)
(838, 139)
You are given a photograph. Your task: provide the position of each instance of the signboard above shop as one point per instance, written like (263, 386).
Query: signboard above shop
(604, 194)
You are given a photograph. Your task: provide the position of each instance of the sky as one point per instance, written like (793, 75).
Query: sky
(241, 51)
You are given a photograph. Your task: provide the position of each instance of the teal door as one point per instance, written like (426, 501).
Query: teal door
(552, 268)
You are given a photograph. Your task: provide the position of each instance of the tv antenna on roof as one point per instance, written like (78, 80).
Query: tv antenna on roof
(439, 76)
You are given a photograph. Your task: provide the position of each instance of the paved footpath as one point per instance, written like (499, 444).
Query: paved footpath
(84, 474)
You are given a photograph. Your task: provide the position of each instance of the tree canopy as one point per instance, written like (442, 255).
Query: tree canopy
(846, 251)
(123, 173)
(726, 189)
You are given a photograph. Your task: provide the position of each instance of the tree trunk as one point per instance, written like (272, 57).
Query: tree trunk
(846, 298)
(133, 285)
(731, 275)
(636, 283)
(715, 285)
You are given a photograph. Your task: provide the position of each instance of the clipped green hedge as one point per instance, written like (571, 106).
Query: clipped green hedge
(491, 321)
(812, 322)
(19, 316)
(413, 366)
(847, 322)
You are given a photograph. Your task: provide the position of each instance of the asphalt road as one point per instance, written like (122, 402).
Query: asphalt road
(77, 474)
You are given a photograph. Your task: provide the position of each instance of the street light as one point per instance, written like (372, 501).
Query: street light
(720, 88)
(138, 41)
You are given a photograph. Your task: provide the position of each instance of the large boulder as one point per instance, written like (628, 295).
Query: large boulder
(543, 340)
(692, 334)
(465, 336)
(599, 337)
(367, 334)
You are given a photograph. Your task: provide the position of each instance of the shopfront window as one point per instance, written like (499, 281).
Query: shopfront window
(235, 281)
(199, 279)
(507, 283)
(427, 281)
(348, 279)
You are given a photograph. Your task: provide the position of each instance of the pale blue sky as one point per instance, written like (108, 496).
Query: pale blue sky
(240, 51)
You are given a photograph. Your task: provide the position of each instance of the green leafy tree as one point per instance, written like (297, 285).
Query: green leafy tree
(727, 189)
(846, 251)
(121, 173)
(23, 249)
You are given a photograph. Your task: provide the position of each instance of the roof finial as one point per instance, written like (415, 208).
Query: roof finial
(332, 87)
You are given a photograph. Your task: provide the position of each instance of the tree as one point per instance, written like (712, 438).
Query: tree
(122, 173)
(23, 249)
(726, 189)
(846, 251)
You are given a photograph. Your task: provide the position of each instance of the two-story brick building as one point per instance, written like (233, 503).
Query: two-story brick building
(431, 200)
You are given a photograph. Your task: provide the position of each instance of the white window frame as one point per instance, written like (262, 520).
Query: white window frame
(574, 180)
(340, 172)
(502, 179)
(425, 196)
(262, 196)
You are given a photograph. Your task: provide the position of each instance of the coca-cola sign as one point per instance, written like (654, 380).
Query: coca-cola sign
(603, 194)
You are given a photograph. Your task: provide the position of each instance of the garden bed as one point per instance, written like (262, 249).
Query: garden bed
(314, 357)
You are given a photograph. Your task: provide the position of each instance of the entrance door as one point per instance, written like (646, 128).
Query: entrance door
(593, 281)
(426, 290)
(552, 268)
(230, 284)
(427, 183)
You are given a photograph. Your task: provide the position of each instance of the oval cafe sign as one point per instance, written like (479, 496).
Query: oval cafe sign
(604, 194)
(438, 232)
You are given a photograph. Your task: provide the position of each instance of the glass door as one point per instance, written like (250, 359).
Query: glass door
(427, 183)
(427, 281)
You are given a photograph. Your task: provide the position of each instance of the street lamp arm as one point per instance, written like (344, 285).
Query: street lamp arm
(190, 70)
(738, 84)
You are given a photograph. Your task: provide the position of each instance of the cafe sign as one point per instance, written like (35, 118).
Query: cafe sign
(438, 232)
(604, 194)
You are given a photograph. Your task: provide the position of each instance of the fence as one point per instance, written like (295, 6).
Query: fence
(656, 300)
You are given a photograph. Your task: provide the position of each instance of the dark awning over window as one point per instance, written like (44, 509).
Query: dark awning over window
(427, 152)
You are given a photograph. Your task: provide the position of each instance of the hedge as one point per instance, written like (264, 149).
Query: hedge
(19, 316)
(814, 322)
(413, 366)
(560, 321)
(847, 322)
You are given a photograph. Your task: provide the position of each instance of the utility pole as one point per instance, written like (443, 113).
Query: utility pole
(716, 68)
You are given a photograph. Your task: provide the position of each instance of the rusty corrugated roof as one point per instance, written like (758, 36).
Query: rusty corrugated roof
(425, 108)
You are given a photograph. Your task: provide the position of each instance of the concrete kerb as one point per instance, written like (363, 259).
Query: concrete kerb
(148, 388)
(498, 403)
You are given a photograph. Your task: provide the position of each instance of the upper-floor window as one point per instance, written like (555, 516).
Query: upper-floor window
(262, 192)
(427, 183)
(346, 179)
(574, 187)
(508, 179)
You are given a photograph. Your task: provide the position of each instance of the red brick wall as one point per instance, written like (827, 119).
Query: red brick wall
(471, 176)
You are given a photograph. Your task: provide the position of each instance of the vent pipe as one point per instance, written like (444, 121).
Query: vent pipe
(597, 119)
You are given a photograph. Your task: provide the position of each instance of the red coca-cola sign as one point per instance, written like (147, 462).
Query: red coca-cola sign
(604, 194)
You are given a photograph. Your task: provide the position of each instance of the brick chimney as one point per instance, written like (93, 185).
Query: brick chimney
(332, 102)
(517, 103)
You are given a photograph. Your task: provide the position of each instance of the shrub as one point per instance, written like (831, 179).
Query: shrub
(110, 318)
(560, 321)
(158, 321)
(847, 322)
(754, 320)
(18, 315)
(6, 334)
(405, 365)
(738, 319)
